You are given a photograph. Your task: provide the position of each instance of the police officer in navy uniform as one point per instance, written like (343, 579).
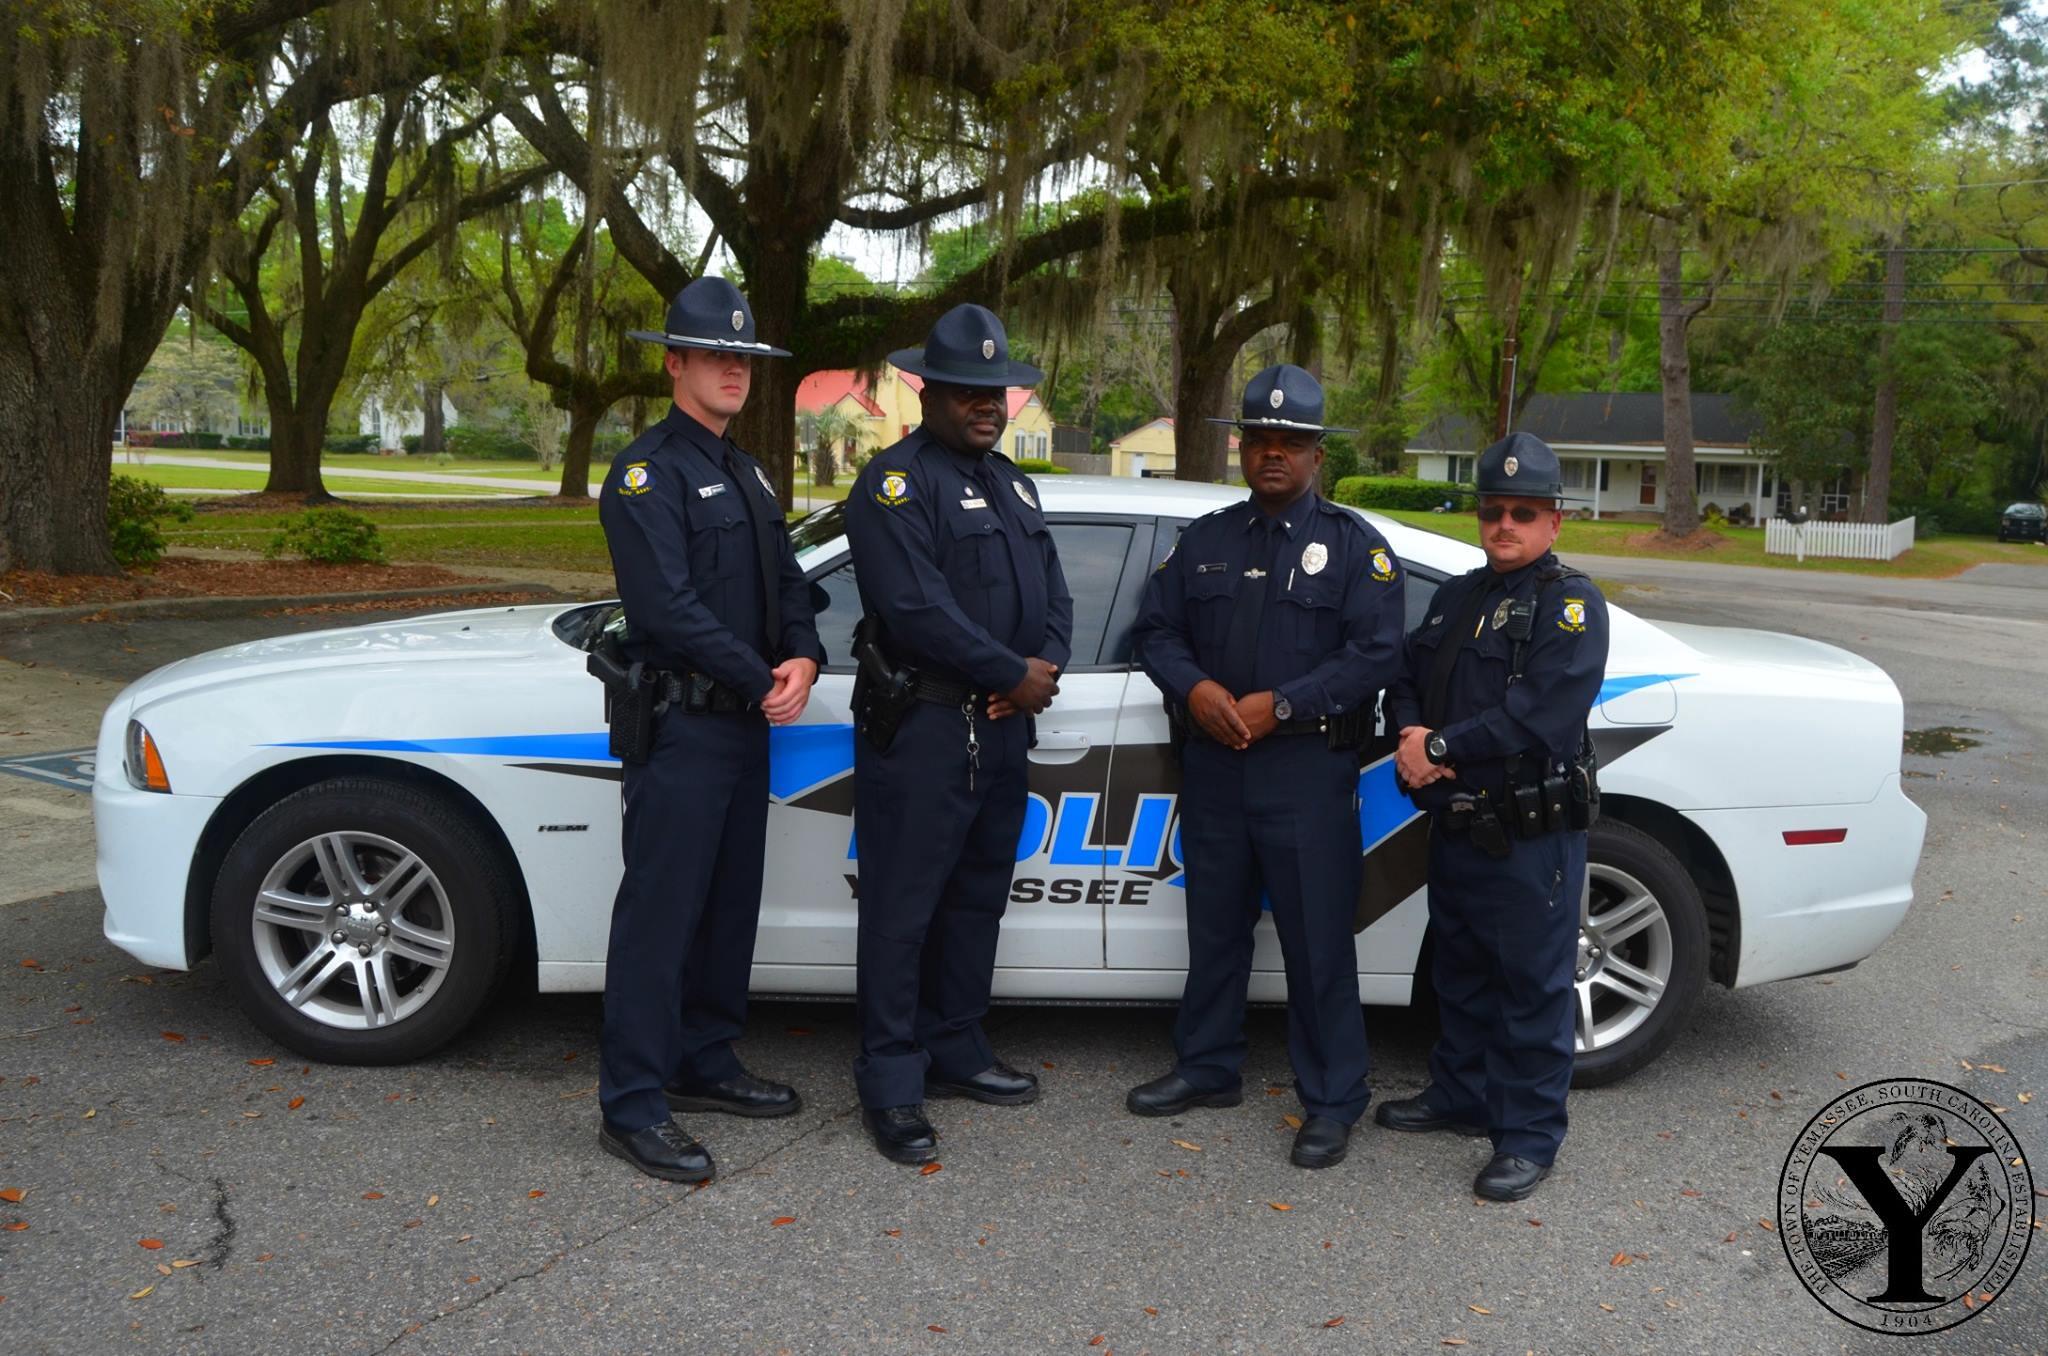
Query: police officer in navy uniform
(1271, 622)
(714, 599)
(1491, 707)
(957, 567)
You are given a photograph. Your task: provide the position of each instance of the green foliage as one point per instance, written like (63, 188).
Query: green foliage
(1966, 517)
(488, 444)
(1398, 492)
(134, 508)
(1340, 460)
(1038, 466)
(329, 537)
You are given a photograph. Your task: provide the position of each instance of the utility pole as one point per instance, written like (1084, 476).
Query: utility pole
(1505, 417)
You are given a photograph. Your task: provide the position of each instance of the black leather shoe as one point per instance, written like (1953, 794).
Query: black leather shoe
(745, 1095)
(1320, 1143)
(1509, 1178)
(901, 1133)
(1416, 1116)
(998, 1085)
(1171, 1095)
(664, 1150)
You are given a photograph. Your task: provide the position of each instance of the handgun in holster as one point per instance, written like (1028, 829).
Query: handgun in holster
(1477, 818)
(882, 693)
(632, 698)
(1176, 727)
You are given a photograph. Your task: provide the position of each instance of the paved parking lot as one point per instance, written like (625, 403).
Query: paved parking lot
(461, 1204)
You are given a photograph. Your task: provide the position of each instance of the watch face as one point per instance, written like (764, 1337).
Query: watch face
(1283, 709)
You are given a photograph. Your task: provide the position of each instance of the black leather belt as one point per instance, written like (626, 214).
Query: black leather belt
(939, 692)
(700, 692)
(1318, 727)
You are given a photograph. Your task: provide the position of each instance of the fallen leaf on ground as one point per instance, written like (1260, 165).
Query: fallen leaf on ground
(1477, 1310)
(1150, 1310)
(1280, 1205)
(1608, 1307)
(535, 1194)
(93, 1111)
(1191, 1148)
(1453, 1342)
(184, 1262)
(373, 1195)
(1769, 1225)
(471, 1280)
(1535, 1224)
(31, 963)
(1097, 1340)
(1689, 1191)
(173, 1036)
(933, 1327)
(162, 1270)
(1620, 1259)
(261, 1063)
(142, 1293)
(1046, 1064)
(151, 1243)
(930, 1168)
(1292, 1121)
(893, 1233)
(414, 1223)
(16, 1227)
(433, 1201)
(781, 1220)
(1336, 1322)
(12, 1195)
(1992, 1068)
(294, 1104)
(1729, 1239)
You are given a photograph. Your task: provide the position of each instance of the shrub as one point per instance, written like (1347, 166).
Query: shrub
(1397, 492)
(1966, 517)
(249, 443)
(329, 537)
(350, 442)
(1340, 461)
(468, 440)
(411, 442)
(1038, 466)
(134, 508)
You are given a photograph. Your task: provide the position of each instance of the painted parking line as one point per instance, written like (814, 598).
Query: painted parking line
(72, 769)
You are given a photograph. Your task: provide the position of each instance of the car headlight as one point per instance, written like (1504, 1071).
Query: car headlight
(144, 765)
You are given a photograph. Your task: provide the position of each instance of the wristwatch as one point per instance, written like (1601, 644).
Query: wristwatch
(1435, 748)
(1282, 708)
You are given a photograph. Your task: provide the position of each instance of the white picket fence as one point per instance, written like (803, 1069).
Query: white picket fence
(1844, 541)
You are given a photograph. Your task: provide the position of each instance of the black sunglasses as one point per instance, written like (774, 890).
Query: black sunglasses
(1521, 513)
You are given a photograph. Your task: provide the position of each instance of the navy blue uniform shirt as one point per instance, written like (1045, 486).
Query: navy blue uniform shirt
(1330, 636)
(680, 528)
(1487, 720)
(952, 552)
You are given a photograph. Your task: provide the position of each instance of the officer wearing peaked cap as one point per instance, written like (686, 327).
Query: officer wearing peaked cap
(720, 616)
(1271, 629)
(966, 629)
(1491, 705)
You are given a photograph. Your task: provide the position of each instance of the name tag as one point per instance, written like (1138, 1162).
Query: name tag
(1216, 567)
(974, 503)
(706, 491)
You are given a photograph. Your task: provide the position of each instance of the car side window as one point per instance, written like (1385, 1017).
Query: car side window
(1092, 557)
(836, 599)
(1418, 591)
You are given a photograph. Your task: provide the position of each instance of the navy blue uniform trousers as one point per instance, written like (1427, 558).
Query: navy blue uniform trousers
(1506, 939)
(1281, 817)
(936, 859)
(682, 942)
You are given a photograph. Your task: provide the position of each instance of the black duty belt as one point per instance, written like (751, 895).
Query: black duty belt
(688, 690)
(939, 692)
(1317, 726)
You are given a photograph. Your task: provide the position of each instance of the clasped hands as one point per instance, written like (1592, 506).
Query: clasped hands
(1234, 722)
(1031, 696)
(792, 691)
(1411, 759)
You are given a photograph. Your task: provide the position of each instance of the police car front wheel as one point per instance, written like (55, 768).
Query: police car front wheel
(359, 921)
(1642, 955)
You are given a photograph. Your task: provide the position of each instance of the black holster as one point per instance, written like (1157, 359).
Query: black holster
(632, 700)
(882, 693)
(1477, 818)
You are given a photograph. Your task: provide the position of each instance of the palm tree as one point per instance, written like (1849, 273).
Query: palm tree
(824, 431)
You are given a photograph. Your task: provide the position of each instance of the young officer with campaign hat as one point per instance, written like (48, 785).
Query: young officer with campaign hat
(966, 629)
(1270, 629)
(716, 607)
(1491, 705)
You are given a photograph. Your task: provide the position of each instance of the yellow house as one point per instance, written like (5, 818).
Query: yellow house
(886, 408)
(1147, 450)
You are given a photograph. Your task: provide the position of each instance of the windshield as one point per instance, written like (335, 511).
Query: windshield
(827, 524)
(2025, 511)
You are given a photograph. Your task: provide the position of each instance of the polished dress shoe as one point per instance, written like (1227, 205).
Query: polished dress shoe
(1507, 1177)
(743, 1095)
(1171, 1095)
(663, 1150)
(1320, 1143)
(1417, 1116)
(901, 1133)
(998, 1085)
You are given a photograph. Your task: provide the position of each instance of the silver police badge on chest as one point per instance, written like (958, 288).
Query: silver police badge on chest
(1023, 492)
(762, 476)
(1500, 615)
(1314, 556)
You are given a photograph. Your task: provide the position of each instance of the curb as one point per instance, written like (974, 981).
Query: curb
(150, 609)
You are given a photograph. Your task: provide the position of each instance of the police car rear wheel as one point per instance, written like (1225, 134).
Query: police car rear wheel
(1642, 957)
(358, 921)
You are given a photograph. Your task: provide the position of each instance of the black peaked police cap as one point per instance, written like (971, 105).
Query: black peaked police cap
(710, 313)
(967, 347)
(1283, 396)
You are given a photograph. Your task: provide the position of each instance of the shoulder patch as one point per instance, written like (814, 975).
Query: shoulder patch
(1382, 565)
(893, 488)
(638, 479)
(1572, 616)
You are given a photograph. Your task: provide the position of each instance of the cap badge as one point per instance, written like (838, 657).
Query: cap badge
(1278, 398)
(1314, 556)
(988, 349)
(739, 321)
(1510, 466)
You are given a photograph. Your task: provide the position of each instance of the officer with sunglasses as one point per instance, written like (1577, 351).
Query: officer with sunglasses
(1491, 706)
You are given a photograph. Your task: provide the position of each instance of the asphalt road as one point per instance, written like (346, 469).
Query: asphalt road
(462, 1205)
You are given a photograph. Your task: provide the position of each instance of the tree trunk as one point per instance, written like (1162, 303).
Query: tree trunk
(776, 272)
(56, 454)
(1201, 450)
(297, 436)
(1681, 505)
(1884, 417)
(824, 465)
(433, 429)
(584, 416)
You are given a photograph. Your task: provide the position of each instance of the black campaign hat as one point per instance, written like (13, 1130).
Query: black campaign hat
(710, 313)
(967, 348)
(1283, 396)
(1521, 464)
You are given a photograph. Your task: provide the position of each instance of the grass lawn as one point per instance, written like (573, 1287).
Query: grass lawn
(209, 478)
(335, 465)
(1936, 557)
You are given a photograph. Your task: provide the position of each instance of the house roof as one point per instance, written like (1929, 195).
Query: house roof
(822, 390)
(1602, 418)
(1163, 421)
(1018, 396)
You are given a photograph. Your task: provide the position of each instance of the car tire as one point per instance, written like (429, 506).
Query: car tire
(398, 963)
(1654, 924)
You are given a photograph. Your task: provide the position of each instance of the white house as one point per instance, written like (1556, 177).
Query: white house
(1611, 446)
(391, 424)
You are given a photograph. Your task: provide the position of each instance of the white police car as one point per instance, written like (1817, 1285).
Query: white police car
(370, 828)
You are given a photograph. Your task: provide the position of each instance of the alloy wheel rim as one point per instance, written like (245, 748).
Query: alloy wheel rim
(353, 930)
(1624, 958)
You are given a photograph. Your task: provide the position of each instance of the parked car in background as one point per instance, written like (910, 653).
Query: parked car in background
(2023, 522)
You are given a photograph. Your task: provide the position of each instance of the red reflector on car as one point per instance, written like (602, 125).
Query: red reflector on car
(1802, 837)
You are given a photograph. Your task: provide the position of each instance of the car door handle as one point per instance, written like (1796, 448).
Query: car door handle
(1059, 746)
